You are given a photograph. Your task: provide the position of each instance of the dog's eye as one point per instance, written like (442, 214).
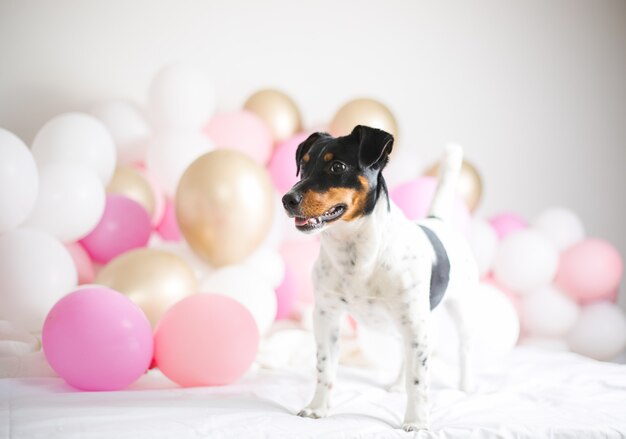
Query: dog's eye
(337, 168)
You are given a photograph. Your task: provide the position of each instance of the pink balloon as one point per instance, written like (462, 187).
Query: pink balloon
(506, 223)
(590, 270)
(282, 166)
(206, 340)
(168, 228)
(97, 339)
(82, 261)
(243, 131)
(300, 256)
(415, 196)
(124, 226)
(159, 197)
(286, 295)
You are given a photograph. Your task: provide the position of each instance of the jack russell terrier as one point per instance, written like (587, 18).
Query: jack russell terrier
(376, 264)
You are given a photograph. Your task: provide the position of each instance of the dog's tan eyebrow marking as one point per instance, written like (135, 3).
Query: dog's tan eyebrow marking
(328, 156)
(306, 158)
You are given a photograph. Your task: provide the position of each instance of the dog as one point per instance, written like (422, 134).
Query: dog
(374, 263)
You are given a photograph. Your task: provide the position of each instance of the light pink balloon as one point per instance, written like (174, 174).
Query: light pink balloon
(206, 340)
(415, 196)
(286, 295)
(590, 270)
(507, 222)
(97, 339)
(124, 226)
(168, 228)
(82, 261)
(300, 256)
(243, 131)
(282, 165)
(159, 197)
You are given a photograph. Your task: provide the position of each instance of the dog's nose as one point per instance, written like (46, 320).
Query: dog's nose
(291, 200)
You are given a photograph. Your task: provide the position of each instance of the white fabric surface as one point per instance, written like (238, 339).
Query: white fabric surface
(529, 394)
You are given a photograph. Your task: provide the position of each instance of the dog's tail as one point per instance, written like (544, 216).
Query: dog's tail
(449, 170)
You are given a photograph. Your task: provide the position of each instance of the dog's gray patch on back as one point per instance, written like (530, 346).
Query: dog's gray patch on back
(440, 274)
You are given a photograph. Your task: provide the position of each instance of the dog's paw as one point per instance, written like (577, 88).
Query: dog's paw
(414, 426)
(309, 412)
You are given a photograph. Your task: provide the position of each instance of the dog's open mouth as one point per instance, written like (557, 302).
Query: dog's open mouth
(308, 224)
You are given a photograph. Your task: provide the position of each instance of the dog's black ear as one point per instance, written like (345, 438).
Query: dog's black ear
(304, 147)
(374, 146)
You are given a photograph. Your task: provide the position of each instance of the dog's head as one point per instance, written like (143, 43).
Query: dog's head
(340, 177)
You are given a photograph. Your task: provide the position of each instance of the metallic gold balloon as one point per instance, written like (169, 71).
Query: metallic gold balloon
(130, 183)
(277, 110)
(363, 112)
(224, 206)
(469, 187)
(153, 279)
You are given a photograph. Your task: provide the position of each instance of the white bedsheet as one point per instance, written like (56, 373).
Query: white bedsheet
(529, 394)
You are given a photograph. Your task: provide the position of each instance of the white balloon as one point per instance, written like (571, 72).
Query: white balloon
(383, 350)
(181, 97)
(267, 264)
(128, 127)
(19, 181)
(560, 226)
(525, 261)
(247, 288)
(169, 155)
(483, 241)
(546, 343)
(181, 249)
(599, 332)
(278, 230)
(16, 341)
(492, 322)
(70, 202)
(547, 312)
(36, 271)
(76, 138)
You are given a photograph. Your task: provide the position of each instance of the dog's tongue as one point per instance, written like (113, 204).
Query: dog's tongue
(300, 221)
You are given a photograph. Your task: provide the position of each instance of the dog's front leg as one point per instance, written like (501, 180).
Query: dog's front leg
(326, 329)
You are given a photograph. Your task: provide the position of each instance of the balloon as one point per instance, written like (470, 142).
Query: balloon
(128, 127)
(599, 332)
(278, 111)
(525, 261)
(84, 267)
(76, 138)
(127, 181)
(483, 241)
(125, 225)
(282, 165)
(97, 339)
(469, 187)
(363, 111)
(170, 153)
(242, 131)
(560, 226)
(492, 321)
(70, 201)
(507, 223)
(157, 194)
(16, 341)
(246, 287)
(168, 228)
(268, 264)
(286, 296)
(35, 272)
(300, 257)
(19, 181)
(181, 97)
(153, 279)
(224, 206)
(590, 270)
(414, 198)
(206, 340)
(515, 299)
(548, 343)
(182, 250)
(548, 312)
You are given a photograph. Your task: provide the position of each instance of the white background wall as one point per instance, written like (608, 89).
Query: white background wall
(535, 90)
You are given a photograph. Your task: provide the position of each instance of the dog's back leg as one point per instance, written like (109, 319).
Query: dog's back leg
(454, 307)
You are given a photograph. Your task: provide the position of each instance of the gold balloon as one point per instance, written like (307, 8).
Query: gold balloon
(470, 185)
(130, 183)
(224, 206)
(153, 279)
(363, 112)
(277, 110)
